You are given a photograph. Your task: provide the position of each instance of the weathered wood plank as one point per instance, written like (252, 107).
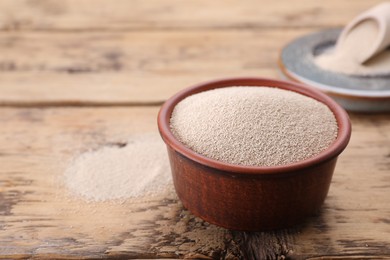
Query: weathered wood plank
(38, 220)
(129, 68)
(119, 67)
(168, 14)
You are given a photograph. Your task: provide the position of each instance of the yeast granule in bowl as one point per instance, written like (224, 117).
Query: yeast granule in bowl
(253, 153)
(254, 126)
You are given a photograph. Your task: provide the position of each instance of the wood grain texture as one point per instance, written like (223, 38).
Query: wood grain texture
(39, 220)
(91, 54)
(83, 52)
(104, 68)
(175, 14)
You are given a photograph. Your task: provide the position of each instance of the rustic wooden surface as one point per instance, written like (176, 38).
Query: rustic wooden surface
(113, 50)
(73, 75)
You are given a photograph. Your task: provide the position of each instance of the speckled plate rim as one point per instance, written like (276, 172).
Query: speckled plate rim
(305, 46)
(343, 135)
(332, 91)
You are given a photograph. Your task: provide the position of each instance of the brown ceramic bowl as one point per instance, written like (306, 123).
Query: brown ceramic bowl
(247, 197)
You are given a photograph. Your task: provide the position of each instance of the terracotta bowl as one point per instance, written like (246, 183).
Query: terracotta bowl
(247, 197)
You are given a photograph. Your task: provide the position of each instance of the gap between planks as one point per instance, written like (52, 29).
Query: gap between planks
(80, 104)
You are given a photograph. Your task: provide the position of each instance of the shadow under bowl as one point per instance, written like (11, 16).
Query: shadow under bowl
(252, 198)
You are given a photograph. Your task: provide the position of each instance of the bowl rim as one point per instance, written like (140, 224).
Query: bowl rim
(343, 135)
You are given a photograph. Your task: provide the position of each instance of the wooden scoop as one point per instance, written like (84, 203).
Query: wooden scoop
(368, 33)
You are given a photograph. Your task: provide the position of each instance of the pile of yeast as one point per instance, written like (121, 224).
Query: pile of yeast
(140, 168)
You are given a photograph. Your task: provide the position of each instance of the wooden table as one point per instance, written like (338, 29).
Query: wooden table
(81, 74)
